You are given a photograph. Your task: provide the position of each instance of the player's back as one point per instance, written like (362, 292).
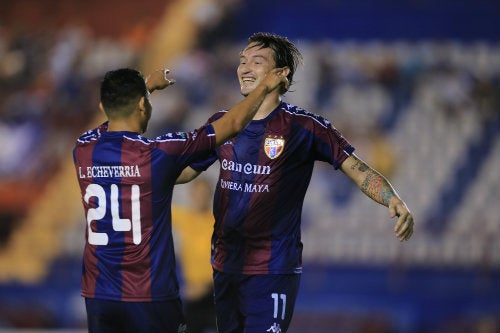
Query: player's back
(126, 183)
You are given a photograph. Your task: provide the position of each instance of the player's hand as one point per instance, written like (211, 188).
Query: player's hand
(404, 224)
(276, 78)
(158, 80)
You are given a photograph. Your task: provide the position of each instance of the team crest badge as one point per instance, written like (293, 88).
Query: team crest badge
(274, 147)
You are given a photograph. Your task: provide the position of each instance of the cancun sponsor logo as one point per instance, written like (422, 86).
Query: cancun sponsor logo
(247, 168)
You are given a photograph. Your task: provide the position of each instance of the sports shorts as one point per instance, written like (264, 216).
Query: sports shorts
(254, 303)
(105, 316)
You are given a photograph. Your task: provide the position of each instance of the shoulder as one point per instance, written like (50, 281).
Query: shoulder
(175, 136)
(204, 131)
(93, 134)
(302, 115)
(138, 138)
(217, 115)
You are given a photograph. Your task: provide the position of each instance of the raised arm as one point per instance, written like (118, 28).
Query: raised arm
(378, 188)
(158, 80)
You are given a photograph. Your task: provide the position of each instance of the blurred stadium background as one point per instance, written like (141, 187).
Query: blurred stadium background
(414, 84)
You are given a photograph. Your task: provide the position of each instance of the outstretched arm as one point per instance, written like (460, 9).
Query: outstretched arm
(236, 119)
(378, 188)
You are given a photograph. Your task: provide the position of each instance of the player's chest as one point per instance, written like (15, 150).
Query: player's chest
(265, 148)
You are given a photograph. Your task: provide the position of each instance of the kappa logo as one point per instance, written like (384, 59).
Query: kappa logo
(274, 147)
(182, 328)
(275, 328)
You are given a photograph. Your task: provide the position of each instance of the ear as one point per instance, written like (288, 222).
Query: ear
(286, 70)
(142, 104)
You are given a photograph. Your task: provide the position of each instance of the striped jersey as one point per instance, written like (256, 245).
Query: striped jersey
(126, 183)
(264, 175)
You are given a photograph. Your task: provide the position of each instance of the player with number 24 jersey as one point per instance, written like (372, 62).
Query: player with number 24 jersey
(121, 192)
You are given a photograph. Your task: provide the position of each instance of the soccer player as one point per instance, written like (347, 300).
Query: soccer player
(126, 182)
(264, 174)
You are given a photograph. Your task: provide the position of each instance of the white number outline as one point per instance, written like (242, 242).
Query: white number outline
(276, 297)
(119, 224)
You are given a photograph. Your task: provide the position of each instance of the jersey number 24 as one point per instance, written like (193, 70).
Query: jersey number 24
(119, 224)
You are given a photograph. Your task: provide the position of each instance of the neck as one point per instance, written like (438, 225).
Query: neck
(123, 125)
(270, 103)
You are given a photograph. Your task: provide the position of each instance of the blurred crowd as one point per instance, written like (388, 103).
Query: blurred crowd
(416, 111)
(426, 114)
(48, 94)
(410, 108)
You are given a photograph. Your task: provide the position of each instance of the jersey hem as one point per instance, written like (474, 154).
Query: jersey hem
(297, 270)
(130, 299)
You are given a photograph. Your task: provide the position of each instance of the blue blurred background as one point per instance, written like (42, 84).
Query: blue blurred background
(413, 84)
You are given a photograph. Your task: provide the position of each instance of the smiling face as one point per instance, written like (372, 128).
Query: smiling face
(255, 62)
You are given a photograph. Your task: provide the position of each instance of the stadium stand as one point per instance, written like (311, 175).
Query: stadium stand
(431, 103)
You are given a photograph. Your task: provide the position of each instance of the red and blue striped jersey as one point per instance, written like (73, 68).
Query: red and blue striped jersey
(126, 183)
(264, 175)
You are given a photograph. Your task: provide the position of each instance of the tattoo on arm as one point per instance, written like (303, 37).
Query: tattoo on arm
(374, 184)
(359, 165)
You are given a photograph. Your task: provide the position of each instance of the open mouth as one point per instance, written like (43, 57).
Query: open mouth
(247, 79)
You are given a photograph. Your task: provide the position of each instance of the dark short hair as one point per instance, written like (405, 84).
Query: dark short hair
(285, 52)
(122, 88)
